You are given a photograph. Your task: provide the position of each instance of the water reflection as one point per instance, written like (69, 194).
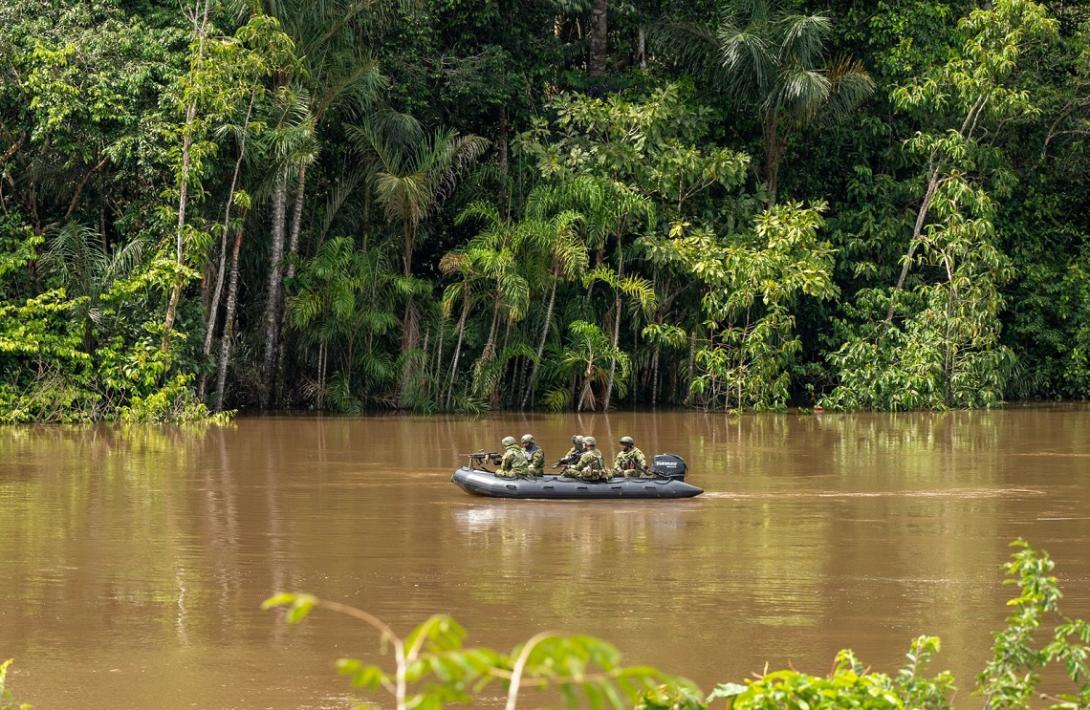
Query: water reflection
(132, 560)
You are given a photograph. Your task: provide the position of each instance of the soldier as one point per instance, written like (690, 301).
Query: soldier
(590, 466)
(630, 461)
(513, 463)
(535, 457)
(574, 452)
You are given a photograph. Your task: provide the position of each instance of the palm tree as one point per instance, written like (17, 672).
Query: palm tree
(501, 255)
(324, 307)
(585, 358)
(343, 303)
(610, 210)
(640, 292)
(337, 71)
(242, 133)
(415, 172)
(452, 263)
(567, 250)
(774, 61)
(74, 255)
(290, 139)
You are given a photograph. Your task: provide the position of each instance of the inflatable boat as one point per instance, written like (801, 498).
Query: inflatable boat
(668, 482)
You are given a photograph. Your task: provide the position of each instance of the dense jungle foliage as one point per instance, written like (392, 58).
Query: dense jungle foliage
(566, 204)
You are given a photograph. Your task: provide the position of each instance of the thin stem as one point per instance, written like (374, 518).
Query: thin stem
(520, 666)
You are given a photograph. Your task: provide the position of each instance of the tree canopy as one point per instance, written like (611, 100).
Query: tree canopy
(729, 204)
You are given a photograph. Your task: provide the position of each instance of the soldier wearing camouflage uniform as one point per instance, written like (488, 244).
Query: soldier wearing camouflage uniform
(590, 466)
(535, 457)
(513, 463)
(574, 452)
(630, 461)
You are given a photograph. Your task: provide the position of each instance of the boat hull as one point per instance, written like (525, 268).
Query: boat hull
(484, 483)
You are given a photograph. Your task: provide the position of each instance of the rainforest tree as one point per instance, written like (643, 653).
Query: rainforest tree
(350, 206)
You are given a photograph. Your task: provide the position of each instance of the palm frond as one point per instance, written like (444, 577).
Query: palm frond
(850, 85)
(692, 46)
(748, 59)
(481, 211)
(803, 92)
(803, 39)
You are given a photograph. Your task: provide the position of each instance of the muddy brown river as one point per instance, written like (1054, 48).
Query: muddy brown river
(133, 561)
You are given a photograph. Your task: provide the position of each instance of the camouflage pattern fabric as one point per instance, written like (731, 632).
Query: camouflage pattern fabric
(535, 464)
(513, 464)
(570, 458)
(589, 467)
(631, 463)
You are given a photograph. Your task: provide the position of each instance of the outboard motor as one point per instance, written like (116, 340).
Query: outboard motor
(668, 466)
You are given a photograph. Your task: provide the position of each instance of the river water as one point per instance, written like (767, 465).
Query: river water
(133, 561)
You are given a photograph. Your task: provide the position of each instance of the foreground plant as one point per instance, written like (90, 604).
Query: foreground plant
(432, 667)
(7, 701)
(1010, 679)
(850, 685)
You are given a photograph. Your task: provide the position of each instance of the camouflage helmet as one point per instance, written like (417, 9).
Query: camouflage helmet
(577, 438)
(628, 440)
(508, 441)
(527, 438)
(589, 441)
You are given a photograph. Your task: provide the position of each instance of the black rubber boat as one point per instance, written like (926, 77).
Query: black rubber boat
(668, 483)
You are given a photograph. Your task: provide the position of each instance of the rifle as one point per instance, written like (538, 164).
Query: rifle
(566, 462)
(480, 459)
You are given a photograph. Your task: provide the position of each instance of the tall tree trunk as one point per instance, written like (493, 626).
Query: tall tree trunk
(586, 396)
(410, 335)
(422, 369)
(599, 38)
(407, 249)
(494, 395)
(641, 46)
(183, 203)
(409, 326)
(613, 358)
(935, 166)
(214, 306)
(297, 220)
(692, 361)
(541, 343)
(199, 21)
(948, 367)
(437, 368)
(490, 345)
(458, 347)
(272, 294)
(293, 250)
(655, 377)
(228, 321)
(616, 328)
(322, 350)
(917, 229)
(503, 160)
